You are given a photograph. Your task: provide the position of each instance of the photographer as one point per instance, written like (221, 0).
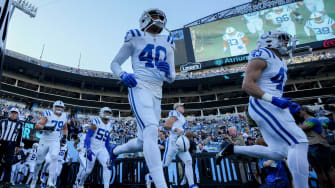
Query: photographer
(319, 151)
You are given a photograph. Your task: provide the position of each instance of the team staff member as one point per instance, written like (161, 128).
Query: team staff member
(10, 138)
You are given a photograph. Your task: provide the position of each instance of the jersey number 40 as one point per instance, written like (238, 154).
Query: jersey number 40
(146, 55)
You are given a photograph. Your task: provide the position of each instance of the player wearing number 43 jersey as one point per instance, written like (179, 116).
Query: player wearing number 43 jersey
(264, 80)
(152, 57)
(95, 146)
(53, 125)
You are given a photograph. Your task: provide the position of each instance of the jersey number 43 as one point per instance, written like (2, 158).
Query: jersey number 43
(146, 55)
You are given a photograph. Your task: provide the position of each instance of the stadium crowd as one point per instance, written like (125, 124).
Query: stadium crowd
(240, 67)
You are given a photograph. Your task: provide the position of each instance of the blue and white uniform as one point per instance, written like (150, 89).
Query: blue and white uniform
(254, 22)
(98, 148)
(323, 30)
(50, 144)
(171, 149)
(82, 155)
(277, 125)
(283, 19)
(146, 50)
(61, 159)
(236, 44)
(31, 159)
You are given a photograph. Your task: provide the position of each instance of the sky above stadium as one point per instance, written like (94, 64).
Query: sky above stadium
(95, 28)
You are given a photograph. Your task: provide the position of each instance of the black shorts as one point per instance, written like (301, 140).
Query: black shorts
(319, 157)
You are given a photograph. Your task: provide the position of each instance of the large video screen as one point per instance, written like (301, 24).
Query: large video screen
(180, 51)
(309, 20)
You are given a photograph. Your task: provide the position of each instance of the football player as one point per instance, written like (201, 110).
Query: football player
(264, 81)
(254, 22)
(54, 127)
(176, 123)
(95, 146)
(322, 26)
(282, 16)
(31, 160)
(236, 40)
(82, 152)
(153, 62)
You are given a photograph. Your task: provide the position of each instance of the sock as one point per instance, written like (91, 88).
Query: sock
(189, 172)
(152, 155)
(106, 176)
(133, 146)
(259, 152)
(298, 164)
(53, 170)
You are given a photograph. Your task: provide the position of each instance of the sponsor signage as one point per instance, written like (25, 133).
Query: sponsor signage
(190, 67)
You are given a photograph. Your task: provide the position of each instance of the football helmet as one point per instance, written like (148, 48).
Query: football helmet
(35, 145)
(103, 115)
(230, 30)
(317, 17)
(153, 17)
(276, 39)
(58, 104)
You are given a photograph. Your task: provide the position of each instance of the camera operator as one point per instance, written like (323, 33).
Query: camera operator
(319, 151)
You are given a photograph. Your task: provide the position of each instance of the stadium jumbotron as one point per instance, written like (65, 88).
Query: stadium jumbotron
(222, 101)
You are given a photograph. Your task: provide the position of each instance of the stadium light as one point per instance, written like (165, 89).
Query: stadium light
(25, 7)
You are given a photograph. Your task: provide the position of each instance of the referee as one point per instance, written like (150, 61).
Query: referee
(10, 138)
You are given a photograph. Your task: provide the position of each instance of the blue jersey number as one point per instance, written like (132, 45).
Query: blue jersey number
(101, 134)
(232, 42)
(279, 79)
(62, 153)
(282, 19)
(146, 55)
(58, 124)
(33, 157)
(320, 31)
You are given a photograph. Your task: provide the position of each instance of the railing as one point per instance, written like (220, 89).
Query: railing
(130, 172)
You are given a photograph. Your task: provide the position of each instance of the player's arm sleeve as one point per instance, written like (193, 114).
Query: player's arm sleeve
(170, 60)
(174, 114)
(121, 57)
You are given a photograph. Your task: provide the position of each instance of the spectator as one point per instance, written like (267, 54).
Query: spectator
(233, 137)
(201, 149)
(162, 143)
(319, 151)
(193, 145)
(250, 141)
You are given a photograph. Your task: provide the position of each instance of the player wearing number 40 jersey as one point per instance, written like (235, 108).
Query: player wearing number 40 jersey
(95, 146)
(53, 125)
(152, 57)
(264, 80)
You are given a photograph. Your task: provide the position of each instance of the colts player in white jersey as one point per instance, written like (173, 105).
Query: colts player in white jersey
(264, 81)
(254, 22)
(46, 167)
(236, 40)
(322, 25)
(82, 152)
(31, 160)
(282, 16)
(95, 146)
(176, 124)
(153, 62)
(54, 127)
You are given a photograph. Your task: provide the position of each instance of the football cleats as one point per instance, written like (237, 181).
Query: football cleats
(153, 17)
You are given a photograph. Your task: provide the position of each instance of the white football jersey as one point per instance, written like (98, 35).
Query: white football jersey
(322, 30)
(61, 154)
(146, 51)
(81, 144)
(235, 41)
(101, 133)
(54, 121)
(274, 76)
(32, 155)
(315, 5)
(281, 18)
(180, 123)
(252, 16)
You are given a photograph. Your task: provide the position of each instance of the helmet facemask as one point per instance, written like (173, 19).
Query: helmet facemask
(58, 110)
(154, 19)
(106, 113)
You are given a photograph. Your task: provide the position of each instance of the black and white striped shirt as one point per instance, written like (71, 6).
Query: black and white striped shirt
(11, 131)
